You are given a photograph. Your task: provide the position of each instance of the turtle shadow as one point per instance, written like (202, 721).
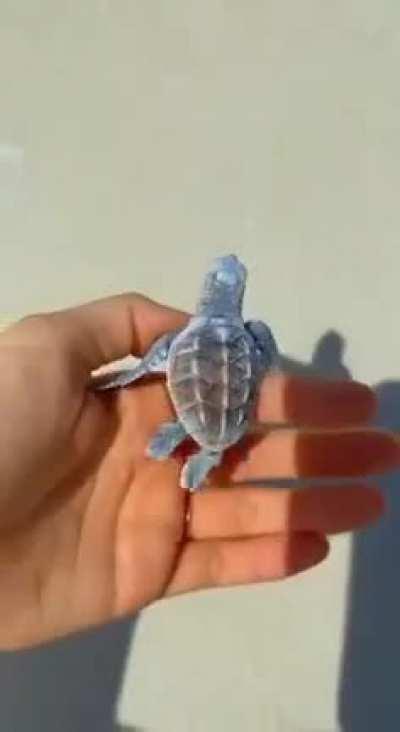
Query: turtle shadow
(327, 359)
(326, 362)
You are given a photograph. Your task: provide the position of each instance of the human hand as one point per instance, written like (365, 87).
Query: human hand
(91, 529)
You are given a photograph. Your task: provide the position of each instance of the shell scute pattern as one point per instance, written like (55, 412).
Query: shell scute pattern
(209, 376)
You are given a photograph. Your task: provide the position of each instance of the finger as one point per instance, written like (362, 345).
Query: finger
(114, 327)
(304, 454)
(249, 511)
(219, 563)
(314, 402)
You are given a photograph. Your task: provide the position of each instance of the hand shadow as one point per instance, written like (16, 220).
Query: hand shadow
(369, 697)
(71, 685)
(68, 686)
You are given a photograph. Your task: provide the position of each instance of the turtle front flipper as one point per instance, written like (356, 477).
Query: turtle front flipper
(166, 440)
(119, 379)
(264, 342)
(197, 468)
(155, 361)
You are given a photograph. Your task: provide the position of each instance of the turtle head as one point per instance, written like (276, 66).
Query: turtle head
(223, 288)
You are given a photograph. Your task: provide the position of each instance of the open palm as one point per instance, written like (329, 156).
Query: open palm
(92, 530)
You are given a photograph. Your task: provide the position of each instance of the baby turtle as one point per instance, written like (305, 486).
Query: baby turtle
(213, 367)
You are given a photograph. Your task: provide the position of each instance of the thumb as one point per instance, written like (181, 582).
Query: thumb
(105, 330)
(114, 327)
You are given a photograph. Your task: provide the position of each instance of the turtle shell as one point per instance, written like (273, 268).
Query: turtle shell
(210, 378)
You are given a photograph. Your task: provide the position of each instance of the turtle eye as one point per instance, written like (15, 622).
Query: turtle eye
(226, 278)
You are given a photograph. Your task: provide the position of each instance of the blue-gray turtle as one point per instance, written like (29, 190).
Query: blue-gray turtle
(213, 367)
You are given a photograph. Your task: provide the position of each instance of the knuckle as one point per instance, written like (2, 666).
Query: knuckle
(218, 566)
(41, 326)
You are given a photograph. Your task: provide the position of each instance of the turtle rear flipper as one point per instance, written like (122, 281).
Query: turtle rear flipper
(198, 466)
(166, 440)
